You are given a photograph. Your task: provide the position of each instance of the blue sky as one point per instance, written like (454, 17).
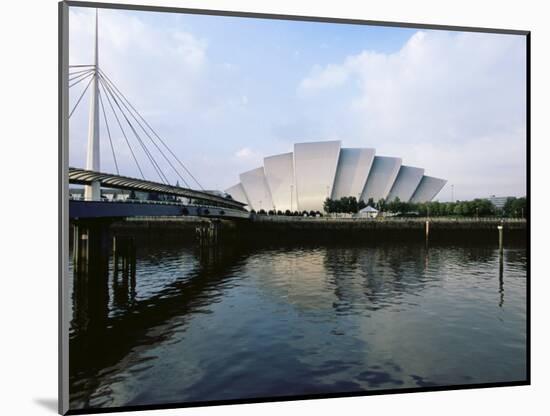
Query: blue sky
(225, 92)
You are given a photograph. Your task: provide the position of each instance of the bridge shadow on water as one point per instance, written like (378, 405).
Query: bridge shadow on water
(98, 340)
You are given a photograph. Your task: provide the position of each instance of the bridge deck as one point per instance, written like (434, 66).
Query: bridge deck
(86, 177)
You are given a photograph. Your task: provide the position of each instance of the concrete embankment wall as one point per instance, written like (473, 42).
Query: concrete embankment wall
(180, 228)
(274, 228)
(392, 229)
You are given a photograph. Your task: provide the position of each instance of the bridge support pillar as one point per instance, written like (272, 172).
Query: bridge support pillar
(92, 192)
(91, 274)
(90, 243)
(208, 233)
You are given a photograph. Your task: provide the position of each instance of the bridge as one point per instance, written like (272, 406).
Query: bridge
(201, 203)
(141, 140)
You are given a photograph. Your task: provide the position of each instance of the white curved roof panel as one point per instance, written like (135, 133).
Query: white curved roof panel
(428, 188)
(256, 189)
(303, 179)
(315, 168)
(353, 169)
(382, 175)
(279, 174)
(406, 183)
(237, 193)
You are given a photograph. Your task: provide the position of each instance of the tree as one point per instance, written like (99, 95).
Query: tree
(394, 206)
(458, 208)
(515, 207)
(328, 205)
(346, 204)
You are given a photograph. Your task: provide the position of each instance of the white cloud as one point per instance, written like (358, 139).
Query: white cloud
(145, 61)
(161, 69)
(330, 76)
(244, 153)
(451, 102)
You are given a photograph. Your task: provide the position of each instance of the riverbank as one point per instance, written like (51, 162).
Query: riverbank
(327, 228)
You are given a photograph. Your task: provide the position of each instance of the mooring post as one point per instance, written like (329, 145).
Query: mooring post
(500, 238)
(76, 245)
(501, 280)
(115, 257)
(132, 256)
(83, 246)
(427, 230)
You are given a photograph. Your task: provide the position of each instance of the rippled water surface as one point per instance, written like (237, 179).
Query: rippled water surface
(236, 322)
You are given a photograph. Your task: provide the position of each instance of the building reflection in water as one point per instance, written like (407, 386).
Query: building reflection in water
(337, 295)
(501, 279)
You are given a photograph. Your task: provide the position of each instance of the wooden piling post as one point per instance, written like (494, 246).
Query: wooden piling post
(84, 247)
(76, 246)
(208, 232)
(500, 238)
(427, 230)
(116, 249)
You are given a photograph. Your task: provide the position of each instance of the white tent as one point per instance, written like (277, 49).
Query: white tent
(368, 212)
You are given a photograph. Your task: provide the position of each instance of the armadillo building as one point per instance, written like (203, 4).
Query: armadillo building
(303, 179)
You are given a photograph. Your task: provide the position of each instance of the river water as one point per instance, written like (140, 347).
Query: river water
(238, 322)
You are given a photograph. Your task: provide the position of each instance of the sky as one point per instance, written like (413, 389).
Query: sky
(225, 92)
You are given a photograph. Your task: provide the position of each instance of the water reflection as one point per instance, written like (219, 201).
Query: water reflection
(501, 279)
(158, 322)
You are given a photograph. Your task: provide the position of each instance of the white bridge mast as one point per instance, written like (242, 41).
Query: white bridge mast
(92, 192)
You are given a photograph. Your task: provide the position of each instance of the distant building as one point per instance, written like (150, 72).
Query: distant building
(303, 179)
(498, 201)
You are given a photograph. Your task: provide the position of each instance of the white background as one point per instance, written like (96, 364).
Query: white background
(28, 175)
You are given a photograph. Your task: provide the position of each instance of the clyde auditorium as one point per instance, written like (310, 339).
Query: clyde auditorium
(303, 179)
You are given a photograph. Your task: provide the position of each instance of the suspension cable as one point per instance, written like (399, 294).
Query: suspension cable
(81, 79)
(79, 72)
(80, 98)
(145, 149)
(122, 130)
(149, 126)
(150, 138)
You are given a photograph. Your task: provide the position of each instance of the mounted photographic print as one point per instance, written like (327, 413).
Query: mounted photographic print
(265, 208)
